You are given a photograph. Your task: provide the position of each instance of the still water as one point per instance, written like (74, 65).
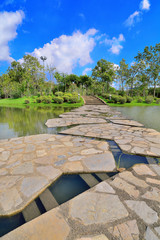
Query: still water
(17, 122)
(147, 115)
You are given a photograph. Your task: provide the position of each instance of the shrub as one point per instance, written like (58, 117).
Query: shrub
(66, 98)
(106, 95)
(58, 99)
(115, 98)
(46, 99)
(75, 94)
(158, 101)
(59, 94)
(122, 100)
(26, 101)
(149, 99)
(139, 100)
(39, 99)
(129, 99)
(73, 99)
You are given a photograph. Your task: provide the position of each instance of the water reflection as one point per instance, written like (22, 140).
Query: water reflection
(148, 115)
(16, 122)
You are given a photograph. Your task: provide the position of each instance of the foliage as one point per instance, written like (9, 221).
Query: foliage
(66, 98)
(123, 73)
(129, 99)
(58, 100)
(157, 100)
(26, 101)
(122, 100)
(149, 99)
(104, 72)
(60, 94)
(139, 100)
(115, 98)
(73, 99)
(29, 78)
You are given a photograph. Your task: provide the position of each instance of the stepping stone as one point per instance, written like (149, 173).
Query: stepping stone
(128, 176)
(157, 229)
(31, 212)
(97, 208)
(104, 187)
(89, 179)
(143, 170)
(124, 186)
(48, 200)
(97, 237)
(125, 231)
(149, 235)
(147, 214)
(153, 195)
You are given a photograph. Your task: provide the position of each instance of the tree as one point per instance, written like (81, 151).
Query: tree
(5, 85)
(151, 58)
(143, 80)
(104, 72)
(34, 76)
(132, 77)
(123, 73)
(85, 81)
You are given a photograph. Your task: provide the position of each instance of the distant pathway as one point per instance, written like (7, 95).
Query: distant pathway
(91, 100)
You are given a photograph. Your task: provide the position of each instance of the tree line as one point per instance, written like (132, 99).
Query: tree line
(30, 78)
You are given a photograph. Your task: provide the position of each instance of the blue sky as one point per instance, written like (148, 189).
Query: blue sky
(74, 35)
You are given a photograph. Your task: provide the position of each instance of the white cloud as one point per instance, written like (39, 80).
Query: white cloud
(82, 16)
(9, 22)
(115, 44)
(145, 5)
(133, 18)
(116, 66)
(66, 52)
(86, 71)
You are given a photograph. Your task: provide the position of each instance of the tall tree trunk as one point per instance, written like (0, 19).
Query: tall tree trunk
(154, 93)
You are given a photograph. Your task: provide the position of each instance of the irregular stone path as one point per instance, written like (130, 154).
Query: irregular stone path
(134, 140)
(29, 164)
(125, 207)
(60, 122)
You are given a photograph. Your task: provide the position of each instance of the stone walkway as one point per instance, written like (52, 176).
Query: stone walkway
(125, 207)
(29, 164)
(100, 111)
(62, 122)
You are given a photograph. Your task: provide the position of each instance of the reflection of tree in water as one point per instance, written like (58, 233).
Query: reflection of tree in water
(29, 120)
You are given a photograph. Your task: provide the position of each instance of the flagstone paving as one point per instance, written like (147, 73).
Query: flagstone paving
(60, 122)
(30, 164)
(104, 212)
(127, 122)
(124, 207)
(134, 140)
(94, 111)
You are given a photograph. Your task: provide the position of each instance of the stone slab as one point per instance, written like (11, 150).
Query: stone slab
(96, 208)
(100, 162)
(147, 214)
(150, 235)
(50, 225)
(31, 185)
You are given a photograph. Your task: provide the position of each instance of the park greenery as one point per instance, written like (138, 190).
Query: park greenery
(30, 82)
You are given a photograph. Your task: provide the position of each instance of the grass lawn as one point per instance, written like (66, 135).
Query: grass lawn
(132, 104)
(20, 102)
